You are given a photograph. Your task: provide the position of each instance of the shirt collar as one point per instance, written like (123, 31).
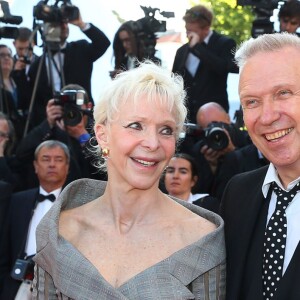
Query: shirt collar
(272, 175)
(206, 40)
(64, 46)
(55, 192)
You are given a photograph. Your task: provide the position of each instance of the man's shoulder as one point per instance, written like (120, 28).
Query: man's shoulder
(182, 48)
(20, 195)
(250, 177)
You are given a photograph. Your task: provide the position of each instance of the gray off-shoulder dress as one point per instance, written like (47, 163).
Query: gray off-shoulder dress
(62, 272)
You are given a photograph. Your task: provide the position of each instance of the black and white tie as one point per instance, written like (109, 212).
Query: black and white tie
(275, 240)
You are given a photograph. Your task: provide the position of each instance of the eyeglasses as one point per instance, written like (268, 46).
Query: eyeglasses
(5, 55)
(4, 135)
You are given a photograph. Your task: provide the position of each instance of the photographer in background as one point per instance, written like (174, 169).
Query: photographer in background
(289, 16)
(23, 59)
(26, 209)
(69, 123)
(12, 102)
(24, 56)
(129, 49)
(209, 160)
(76, 59)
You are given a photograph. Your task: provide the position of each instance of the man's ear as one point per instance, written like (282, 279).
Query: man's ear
(101, 132)
(35, 166)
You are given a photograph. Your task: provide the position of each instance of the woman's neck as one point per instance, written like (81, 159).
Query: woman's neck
(134, 207)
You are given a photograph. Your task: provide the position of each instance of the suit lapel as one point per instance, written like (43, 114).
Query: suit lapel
(244, 211)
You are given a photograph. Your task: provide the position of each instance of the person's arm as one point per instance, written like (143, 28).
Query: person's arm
(99, 43)
(48, 129)
(223, 62)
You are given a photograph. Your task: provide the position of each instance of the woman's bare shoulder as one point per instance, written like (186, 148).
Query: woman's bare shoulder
(73, 221)
(192, 226)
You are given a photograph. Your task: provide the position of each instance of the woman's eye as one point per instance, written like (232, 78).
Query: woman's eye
(135, 125)
(169, 170)
(167, 131)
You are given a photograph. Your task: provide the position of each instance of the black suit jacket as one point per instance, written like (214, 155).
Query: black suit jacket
(78, 65)
(238, 161)
(13, 239)
(244, 210)
(210, 81)
(5, 194)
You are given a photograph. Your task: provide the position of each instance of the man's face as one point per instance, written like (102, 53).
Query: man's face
(269, 90)
(22, 48)
(288, 24)
(51, 167)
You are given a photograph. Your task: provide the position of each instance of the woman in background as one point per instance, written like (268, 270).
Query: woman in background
(180, 179)
(129, 48)
(11, 102)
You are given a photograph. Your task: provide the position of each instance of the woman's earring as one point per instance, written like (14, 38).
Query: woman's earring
(105, 153)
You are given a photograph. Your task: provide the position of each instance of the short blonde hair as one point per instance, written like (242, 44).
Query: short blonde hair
(156, 82)
(148, 79)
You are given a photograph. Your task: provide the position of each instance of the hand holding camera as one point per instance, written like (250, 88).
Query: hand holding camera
(54, 114)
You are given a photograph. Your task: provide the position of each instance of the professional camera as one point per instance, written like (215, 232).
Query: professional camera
(146, 28)
(56, 14)
(23, 269)
(263, 10)
(25, 60)
(71, 101)
(214, 135)
(6, 17)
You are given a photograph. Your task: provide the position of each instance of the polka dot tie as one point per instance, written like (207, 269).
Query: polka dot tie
(274, 241)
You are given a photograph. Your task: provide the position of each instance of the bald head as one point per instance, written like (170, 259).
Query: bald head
(212, 112)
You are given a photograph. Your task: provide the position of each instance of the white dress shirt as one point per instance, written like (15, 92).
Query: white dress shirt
(192, 62)
(39, 212)
(194, 197)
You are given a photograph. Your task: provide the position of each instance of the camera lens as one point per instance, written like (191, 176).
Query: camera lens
(72, 115)
(217, 139)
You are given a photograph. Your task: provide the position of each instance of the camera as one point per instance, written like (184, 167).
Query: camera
(71, 100)
(263, 10)
(145, 28)
(25, 60)
(6, 17)
(56, 14)
(23, 269)
(214, 135)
